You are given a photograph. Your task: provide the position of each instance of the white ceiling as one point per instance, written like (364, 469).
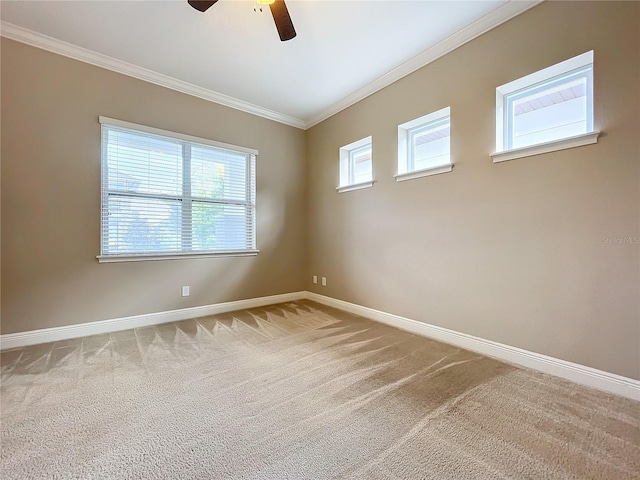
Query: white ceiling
(342, 52)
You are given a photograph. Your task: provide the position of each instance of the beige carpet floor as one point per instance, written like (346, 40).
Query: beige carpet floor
(299, 391)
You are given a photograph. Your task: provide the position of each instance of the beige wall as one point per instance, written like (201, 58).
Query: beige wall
(51, 197)
(511, 252)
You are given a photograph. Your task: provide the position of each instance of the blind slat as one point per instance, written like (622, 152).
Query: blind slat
(168, 195)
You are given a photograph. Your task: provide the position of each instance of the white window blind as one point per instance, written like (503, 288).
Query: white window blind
(168, 194)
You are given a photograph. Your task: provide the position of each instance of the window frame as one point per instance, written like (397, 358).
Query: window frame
(406, 132)
(562, 72)
(346, 178)
(185, 197)
(352, 161)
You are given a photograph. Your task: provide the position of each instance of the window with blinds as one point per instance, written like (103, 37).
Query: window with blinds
(166, 194)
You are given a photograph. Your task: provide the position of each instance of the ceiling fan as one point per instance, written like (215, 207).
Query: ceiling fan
(278, 10)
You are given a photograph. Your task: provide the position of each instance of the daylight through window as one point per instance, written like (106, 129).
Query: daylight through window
(356, 165)
(424, 145)
(168, 194)
(552, 108)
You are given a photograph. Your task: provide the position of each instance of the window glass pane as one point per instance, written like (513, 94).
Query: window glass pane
(551, 112)
(220, 226)
(204, 217)
(169, 195)
(138, 225)
(217, 173)
(144, 164)
(361, 165)
(430, 145)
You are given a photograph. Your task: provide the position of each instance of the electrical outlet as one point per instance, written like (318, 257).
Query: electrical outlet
(185, 291)
(324, 281)
(315, 279)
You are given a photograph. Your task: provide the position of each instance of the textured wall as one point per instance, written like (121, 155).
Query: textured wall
(511, 252)
(51, 197)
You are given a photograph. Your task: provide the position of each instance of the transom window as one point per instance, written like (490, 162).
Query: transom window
(166, 194)
(360, 165)
(356, 165)
(552, 107)
(424, 145)
(558, 108)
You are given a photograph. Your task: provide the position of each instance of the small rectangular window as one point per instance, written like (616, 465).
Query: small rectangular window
(360, 165)
(551, 108)
(424, 145)
(356, 165)
(557, 108)
(166, 195)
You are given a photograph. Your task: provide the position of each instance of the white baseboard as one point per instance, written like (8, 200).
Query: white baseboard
(46, 335)
(590, 377)
(581, 374)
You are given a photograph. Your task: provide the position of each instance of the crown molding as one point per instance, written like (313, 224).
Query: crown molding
(491, 20)
(29, 37)
(494, 18)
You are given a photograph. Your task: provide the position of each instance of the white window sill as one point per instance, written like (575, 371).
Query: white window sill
(173, 256)
(401, 177)
(570, 142)
(355, 186)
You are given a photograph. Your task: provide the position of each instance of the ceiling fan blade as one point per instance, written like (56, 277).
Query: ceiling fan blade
(202, 6)
(282, 20)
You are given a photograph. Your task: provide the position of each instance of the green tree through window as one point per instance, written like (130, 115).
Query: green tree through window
(164, 195)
